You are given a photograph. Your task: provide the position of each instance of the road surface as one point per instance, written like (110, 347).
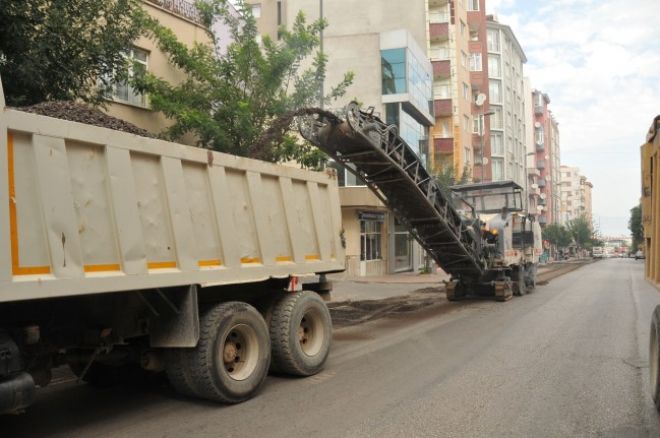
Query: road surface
(569, 360)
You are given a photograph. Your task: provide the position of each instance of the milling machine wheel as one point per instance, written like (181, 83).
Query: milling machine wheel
(503, 290)
(654, 357)
(455, 290)
(519, 283)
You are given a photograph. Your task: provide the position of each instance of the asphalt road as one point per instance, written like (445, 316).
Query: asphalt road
(569, 360)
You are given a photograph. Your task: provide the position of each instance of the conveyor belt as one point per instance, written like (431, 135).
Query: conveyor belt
(396, 175)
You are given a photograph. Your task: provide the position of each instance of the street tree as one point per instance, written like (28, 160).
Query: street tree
(446, 177)
(64, 49)
(557, 235)
(635, 226)
(229, 99)
(580, 231)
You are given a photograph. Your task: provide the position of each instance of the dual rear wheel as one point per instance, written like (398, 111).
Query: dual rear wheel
(237, 346)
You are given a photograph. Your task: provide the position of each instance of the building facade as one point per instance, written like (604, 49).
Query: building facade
(477, 24)
(449, 51)
(508, 121)
(546, 159)
(575, 195)
(388, 52)
(183, 18)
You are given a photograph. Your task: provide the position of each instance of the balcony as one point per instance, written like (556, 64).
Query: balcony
(538, 110)
(443, 145)
(442, 107)
(541, 183)
(441, 69)
(542, 201)
(540, 164)
(543, 220)
(182, 8)
(540, 146)
(439, 31)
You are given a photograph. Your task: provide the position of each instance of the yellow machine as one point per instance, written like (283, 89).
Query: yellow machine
(651, 223)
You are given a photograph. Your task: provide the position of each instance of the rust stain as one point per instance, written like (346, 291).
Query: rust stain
(312, 257)
(209, 158)
(280, 259)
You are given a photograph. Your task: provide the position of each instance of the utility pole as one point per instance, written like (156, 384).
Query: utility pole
(321, 47)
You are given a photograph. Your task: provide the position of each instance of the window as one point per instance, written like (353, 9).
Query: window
(466, 91)
(466, 123)
(393, 69)
(122, 91)
(540, 137)
(495, 91)
(493, 40)
(464, 59)
(475, 62)
(473, 5)
(475, 125)
(462, 28)
(442, 89)
(370, 239)
(466, 156)
(498, 169)
(439, 51)
(279, 13)
(445, 132)
(494, 66)
(474, 35)
(496, 118)
(256, 11)
(496, 144)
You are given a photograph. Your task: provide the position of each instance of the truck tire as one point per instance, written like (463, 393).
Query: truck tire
(300, 334)
(654, 357)
(230, 362)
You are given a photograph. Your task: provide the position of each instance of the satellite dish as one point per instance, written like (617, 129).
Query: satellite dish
(547, 157)
(535, 186)
(539, 207)
(537, 124)
(485, 160)
(481, 98)
(542, 195)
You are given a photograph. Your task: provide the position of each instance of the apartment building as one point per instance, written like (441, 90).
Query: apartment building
(183, 18)
(479, 80)
(449, 51)
(506, 96)
(386, 46)
(546, 159)
(534, 202)
(575, 195)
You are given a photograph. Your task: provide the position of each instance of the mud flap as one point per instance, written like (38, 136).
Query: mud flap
(178, 325)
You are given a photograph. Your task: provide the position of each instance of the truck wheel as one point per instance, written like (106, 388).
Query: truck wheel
(230, 362)
(518, 282)
(300, 334)
(654, 357)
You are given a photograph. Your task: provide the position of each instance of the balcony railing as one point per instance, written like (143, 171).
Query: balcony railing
(538, 110)
(183, 8)
(439, 17)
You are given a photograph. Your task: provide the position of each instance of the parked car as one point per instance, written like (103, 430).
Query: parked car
(639, 255)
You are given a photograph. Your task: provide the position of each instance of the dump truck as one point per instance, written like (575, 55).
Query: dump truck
(494, 254)
(122, 255)
(650, 200)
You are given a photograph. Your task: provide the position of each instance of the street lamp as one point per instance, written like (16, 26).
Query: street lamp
(321, 48)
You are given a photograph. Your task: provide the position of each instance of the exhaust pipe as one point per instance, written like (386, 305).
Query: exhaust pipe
(17, 393)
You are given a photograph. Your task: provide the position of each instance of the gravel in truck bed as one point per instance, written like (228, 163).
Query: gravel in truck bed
(78, 112)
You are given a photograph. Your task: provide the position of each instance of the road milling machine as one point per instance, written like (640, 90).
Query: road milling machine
(478, 233)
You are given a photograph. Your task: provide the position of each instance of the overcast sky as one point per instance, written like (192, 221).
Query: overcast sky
(599, 61)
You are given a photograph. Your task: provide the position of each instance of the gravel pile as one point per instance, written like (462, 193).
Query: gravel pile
(76, 112)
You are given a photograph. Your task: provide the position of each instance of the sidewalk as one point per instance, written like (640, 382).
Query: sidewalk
(347, 288)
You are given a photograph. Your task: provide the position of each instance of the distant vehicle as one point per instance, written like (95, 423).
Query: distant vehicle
(639, 255)
(598, 252)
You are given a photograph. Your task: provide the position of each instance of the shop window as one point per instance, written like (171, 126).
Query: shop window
(370, 239)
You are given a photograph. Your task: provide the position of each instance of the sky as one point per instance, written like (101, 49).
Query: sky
(599, 61)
